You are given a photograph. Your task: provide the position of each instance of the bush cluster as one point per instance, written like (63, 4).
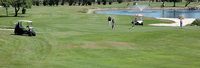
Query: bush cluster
(196, 22)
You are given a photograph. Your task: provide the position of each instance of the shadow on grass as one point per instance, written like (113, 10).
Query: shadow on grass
(11, 16)
(22, 35)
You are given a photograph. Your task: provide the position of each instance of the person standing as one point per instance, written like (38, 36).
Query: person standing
(133, 24)
(113, 23)
(128, 4)
(109, 20)
(181, 24)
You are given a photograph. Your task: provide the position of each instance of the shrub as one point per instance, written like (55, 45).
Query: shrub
(79, 4)
(119, 1)
(104, 2)
(99, 2)
(196, 22)
(89, 2)
(37, 3)
(23, 11)
(110, 2)
(71, 2)
(34, 3)
(45, 3)
(57, 2)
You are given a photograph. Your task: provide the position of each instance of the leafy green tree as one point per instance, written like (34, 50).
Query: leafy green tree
(75, 1)
(17, 4)
(57, 2)
(26, 4)
(110, 2)
(71, 2)
(89, 2)
(79, 2)
(52, 2)
(34, 2)
(37, 2)
(45, 2)
(188, 2)
(119, 1)
(63, 2)
(6, 4)
(84, 2)
(104, 2)
(163, 4)
(175, 2)
(99, 2)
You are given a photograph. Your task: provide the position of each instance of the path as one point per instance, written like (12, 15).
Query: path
(5, 29)
(176, 22)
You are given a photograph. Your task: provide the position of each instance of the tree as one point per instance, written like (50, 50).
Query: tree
(37, 2)
(99, 2)
(79, 2)
(149, 2)
(63, 2)
(75, 1)
(17, 4)
(163, 4)
(110, 2)
(71, 2)
(104, 2)
(45, 2)
(119, 1)
(6, 4)
(26, 4)
(188, 2)
(89, 2)
(57, 2)
(175, 2)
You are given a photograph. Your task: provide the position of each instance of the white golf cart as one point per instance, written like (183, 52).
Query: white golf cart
(19, 29)
(139, 19)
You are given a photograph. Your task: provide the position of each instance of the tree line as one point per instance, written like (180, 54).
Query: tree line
(26, 4)
(174, 1)
(73, 2)
(17, 5)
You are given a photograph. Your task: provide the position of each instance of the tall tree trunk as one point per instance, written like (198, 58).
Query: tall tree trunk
(187, 4)
(7, 11)
(174, 4)
(16, 11)
(163, 4)
(149, 2)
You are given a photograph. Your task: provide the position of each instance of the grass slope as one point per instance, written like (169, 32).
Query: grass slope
(68, 38)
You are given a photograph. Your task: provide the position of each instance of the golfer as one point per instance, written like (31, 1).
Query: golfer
(181, 24)
(113, 23)
(109, 20)
(133, 24)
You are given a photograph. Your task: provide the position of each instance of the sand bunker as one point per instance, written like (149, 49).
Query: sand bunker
(176, 22)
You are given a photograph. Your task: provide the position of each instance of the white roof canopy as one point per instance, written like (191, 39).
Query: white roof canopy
(24, 21)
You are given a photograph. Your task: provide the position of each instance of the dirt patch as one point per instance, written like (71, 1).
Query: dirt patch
(5, 29)
(99, 45)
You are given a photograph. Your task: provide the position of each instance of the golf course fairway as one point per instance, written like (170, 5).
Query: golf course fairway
(68, 37)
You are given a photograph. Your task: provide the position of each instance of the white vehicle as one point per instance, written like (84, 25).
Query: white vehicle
(139, 19)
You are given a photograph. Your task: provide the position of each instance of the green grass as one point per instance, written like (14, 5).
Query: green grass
(68, 38)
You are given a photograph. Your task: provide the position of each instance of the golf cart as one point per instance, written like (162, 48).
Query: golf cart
(139, 19)
(19, 29)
